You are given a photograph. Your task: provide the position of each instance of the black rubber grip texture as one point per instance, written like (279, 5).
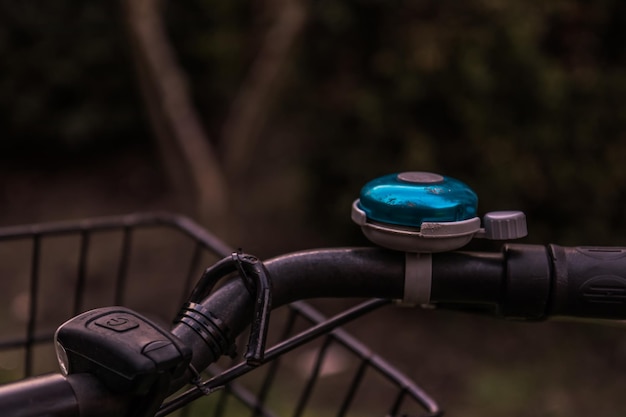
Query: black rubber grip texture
(588, 282)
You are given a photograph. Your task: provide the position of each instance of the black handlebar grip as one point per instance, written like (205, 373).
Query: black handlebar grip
(50, 395)
(534, 282)
(61, 396)
(588, 282)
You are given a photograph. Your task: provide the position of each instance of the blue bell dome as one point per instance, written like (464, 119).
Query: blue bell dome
(410, 198)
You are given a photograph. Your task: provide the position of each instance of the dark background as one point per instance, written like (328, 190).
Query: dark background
(523, 101)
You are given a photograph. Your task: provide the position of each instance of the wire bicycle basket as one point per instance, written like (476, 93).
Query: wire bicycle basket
(150, 262)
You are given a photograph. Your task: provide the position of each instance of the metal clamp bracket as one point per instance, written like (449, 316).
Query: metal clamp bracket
(418, 276)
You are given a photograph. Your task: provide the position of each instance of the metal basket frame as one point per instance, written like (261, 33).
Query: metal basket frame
(220, 379)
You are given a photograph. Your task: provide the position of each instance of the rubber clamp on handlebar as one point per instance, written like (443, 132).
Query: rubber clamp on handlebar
(210, 328)
(256, 280)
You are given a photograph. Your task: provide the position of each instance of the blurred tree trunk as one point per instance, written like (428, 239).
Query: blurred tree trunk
(198, 170)
(254, 103)
(191, 162)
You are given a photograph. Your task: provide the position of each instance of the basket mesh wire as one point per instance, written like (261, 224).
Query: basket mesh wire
(149, 262)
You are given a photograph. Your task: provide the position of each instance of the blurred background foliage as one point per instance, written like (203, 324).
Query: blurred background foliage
(67, 83)
(522, 100)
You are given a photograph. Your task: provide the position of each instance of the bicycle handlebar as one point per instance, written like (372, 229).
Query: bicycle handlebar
(524, 282)
(61, 396)
(527, 282)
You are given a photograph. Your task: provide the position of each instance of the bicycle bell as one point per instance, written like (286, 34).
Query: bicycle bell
(427, 212)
